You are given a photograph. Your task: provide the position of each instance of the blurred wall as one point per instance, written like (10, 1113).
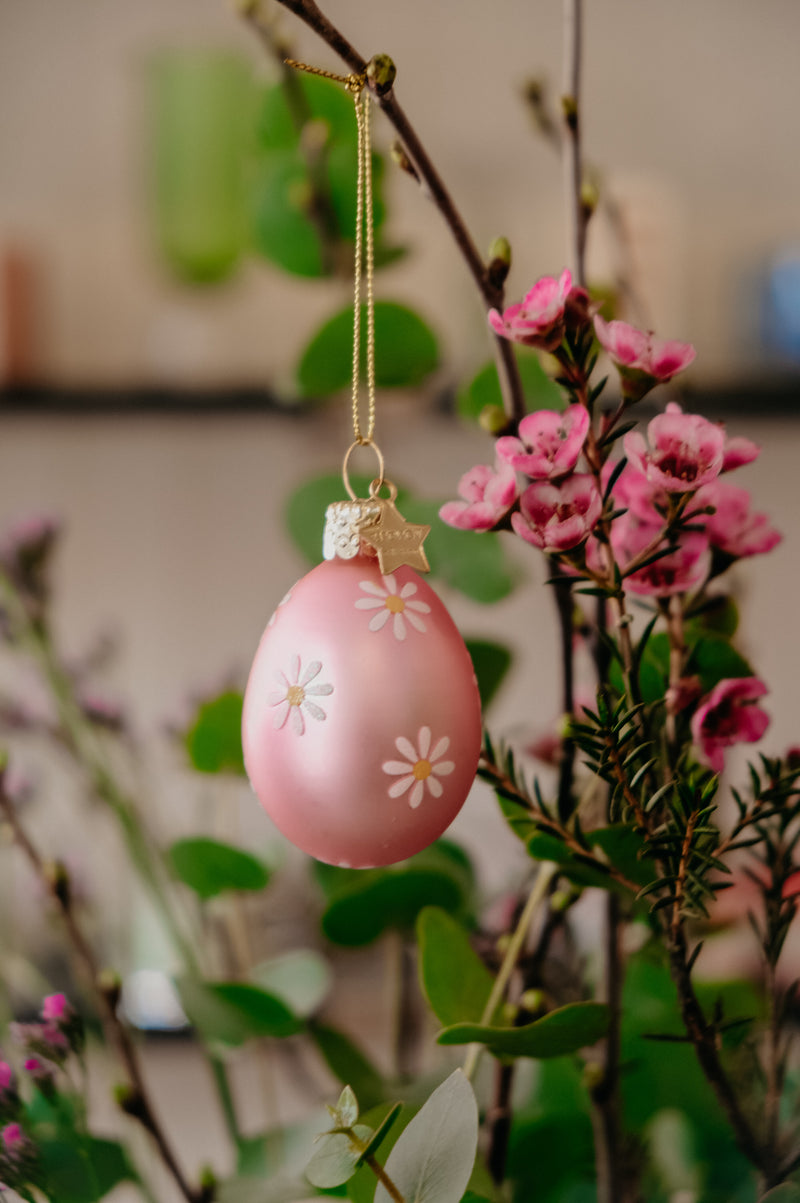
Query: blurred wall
(689, 122)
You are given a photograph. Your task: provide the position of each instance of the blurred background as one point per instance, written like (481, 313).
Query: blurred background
(155, 303)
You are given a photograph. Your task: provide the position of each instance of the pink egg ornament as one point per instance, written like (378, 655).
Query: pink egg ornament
(361, 725)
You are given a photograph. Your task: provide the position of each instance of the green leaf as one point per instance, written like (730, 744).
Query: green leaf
(474, 563)
(230, 1013)
(282, 230)
(346, 1109)
(300, 978)
(326, 102)
(82, 1169)
(387, 900)
(380, 1133)
(347, 1063)
(406, 351)
(209, 867)
(577, 1025)
(365, 903)
(718, 616)
(787, 1192)
(305, 509)
(433, 1159)
(455, 980)
(623, 847)
(484, 389)
(336, 1158)
(714, 659)
(492, 661)
(214, 740)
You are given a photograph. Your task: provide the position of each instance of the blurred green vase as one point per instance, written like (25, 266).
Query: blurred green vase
(200, 132)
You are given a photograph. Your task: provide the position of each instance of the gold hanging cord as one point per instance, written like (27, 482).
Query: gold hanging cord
(364, 254)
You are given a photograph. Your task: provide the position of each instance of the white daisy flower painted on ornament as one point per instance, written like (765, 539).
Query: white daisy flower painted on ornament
(422, 767)
(389, 602)
(294, 696)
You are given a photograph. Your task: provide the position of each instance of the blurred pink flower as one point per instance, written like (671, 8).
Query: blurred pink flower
(686, 450)
(537, 320)
(6, 1077)
(488, 493)
(14, 1139)
(737, 452)
(55, 1008)
(728, 716)
(678, 571)
(633, 491)
(549, 443)
(733, 527)
(642, 359)
(557, 517)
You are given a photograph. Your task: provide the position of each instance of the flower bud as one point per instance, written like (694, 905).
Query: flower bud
(58, 879)
(381, 72)
(401, 159)
(499, 261)
(533, 1001)
(493, 419)
(109, 984)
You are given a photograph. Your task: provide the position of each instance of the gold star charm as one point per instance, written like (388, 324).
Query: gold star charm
(396, 541)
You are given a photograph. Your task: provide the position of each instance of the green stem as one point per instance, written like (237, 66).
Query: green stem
(541, 885)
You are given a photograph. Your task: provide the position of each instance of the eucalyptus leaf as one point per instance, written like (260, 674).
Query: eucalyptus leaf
(433, 1159)
(492, 662)
(484, 388)
(714, 659)
(282, 229)
(301, 978)
(210, 867)
(565, 1030)
(406, 351)
(305, 509)
(336, 1158)
(230, 1013)
(787, 1192)
(387, 900)
(348, 1063)
(82, 1169)
(346, 1108)
(320, 100)
(454, 979)
(214, 739)
(474, 564)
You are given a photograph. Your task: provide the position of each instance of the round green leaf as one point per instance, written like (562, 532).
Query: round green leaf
(209, 867)
(406, 351)
(565, 1030)
(455, 980)
(282, 230)
(232, 1012)
(387, 900)
(348, 1064)
(214, 740)
(321, 99)
(714, 660)
(305, 510)
(484, 388)
(336, 1158)
(301, 978)
(474, 564)
(492, 661)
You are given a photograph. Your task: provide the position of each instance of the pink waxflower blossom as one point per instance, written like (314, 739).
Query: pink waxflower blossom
(537, 320)
(6, 1077)
(14, 1140)
(678, 571)
(56, 1009)
(733, 527)
(549, 443)
(642, 359)
(558, 517)
(685, 452)
(487, 492)
(737, 452)
(633, 491)
(729, 715)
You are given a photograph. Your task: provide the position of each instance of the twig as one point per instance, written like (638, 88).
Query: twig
(491, 293)
(605, 1093)
(573, 169)
(562, 589)
(137, 1103)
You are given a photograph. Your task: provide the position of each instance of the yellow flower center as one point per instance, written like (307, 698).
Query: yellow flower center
(295, 694)
(395, 604)
(422, 769)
